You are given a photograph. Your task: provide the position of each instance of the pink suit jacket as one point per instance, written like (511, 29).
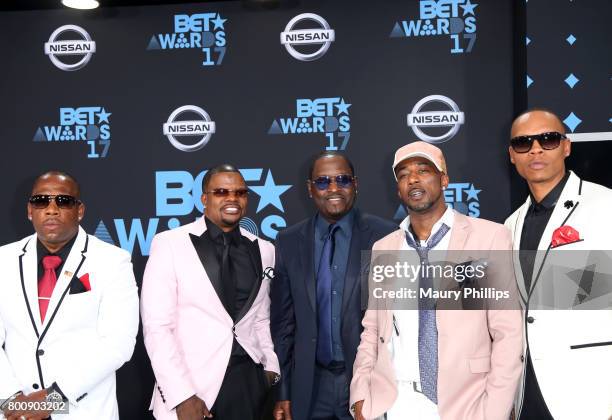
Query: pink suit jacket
(479, 351)
(187, 331)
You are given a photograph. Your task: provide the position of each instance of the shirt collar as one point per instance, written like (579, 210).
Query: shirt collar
(552, 197)
(216, 233)
(62, 253)
(345, 224)
(447, 218)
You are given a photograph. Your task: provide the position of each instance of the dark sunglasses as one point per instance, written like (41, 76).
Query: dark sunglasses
(342, 181)
(548, 141)
(62, 201)
(224, 192)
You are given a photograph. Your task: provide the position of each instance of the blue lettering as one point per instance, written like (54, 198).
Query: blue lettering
(165, 194)
(271, 225)
(127, 239)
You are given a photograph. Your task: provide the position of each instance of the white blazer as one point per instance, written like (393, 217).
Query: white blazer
(85, 337)
(571, 350)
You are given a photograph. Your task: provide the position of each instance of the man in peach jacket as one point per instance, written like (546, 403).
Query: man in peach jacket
(432, 364)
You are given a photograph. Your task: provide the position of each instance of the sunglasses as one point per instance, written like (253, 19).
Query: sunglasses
(548, 141)
(342, 181)
(224, 192)
(62, 201)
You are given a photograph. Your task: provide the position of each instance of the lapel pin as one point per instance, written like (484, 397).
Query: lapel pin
(568, 204)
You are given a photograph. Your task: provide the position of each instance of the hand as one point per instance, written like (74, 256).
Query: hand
(358, 408)
(270, 376)
(193, 408)
(39, 396)
(282, 410)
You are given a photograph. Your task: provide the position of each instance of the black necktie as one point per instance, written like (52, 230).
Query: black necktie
(229, 286)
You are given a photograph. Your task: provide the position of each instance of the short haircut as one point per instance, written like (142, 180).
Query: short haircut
(61, 174)
(538, 109)
(328, 154)
(224, 167)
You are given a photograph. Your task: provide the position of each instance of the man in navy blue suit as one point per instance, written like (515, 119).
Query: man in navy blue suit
(316, 294)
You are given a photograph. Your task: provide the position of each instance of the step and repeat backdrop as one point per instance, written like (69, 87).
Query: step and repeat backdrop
(138, 102)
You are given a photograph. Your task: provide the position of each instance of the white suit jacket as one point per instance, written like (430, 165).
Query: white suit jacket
(571, 350)
(86, 336)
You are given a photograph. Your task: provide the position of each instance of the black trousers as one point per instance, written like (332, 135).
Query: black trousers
(243, 391)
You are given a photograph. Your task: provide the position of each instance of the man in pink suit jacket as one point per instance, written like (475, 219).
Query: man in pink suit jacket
(206, 328)
(478, 351)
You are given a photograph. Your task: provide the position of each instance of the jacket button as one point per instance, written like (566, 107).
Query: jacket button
(314, 340)
(35, 386)
(382, 340)
(530, 319)
(41, 352)
(522, 358)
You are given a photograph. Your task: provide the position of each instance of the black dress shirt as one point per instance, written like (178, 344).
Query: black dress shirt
(538, 215)
(63, 253)
(243, 273)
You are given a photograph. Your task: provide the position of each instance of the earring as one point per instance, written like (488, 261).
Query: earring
(30, 217)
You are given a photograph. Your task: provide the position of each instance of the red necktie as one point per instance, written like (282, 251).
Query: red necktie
(47, 283)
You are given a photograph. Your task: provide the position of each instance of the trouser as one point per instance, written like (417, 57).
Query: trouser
(412, 404)
(243, 391)
(330, 396)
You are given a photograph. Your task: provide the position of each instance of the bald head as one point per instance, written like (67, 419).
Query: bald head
(60, 176)
(536, 121)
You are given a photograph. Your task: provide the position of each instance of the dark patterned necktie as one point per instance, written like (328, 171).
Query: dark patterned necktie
(428, 332)
(324, 310)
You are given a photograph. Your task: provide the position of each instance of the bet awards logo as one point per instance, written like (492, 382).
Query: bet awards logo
(201, 129)
(178, 202)
(455, 18)
(84, 124)
(62, 52)
(460, 196)
(202, 31)
(448, 121)
(329, 116)
(300, 42)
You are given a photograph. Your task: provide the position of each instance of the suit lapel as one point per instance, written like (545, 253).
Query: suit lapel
(255, 254)
(360, 238)
(72, 264)
(517, 233)
(306, 246)
(459, 233)
(209, 259)
(561, 215)
(28, 270)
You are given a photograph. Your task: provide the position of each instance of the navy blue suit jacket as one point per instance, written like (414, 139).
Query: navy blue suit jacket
(293, 315)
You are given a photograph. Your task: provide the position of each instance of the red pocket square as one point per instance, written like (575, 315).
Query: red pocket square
(564, 235)
(85, 280)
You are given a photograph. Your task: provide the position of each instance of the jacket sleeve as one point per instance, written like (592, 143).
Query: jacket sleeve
(262, 323)
(93, 360)
(159, 318)
(9, 384)
(506, 331)
(282, 322)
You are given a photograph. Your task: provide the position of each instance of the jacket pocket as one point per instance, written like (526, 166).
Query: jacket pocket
(582, 346)
(480, 364)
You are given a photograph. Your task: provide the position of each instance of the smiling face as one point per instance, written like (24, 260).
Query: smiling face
(55, 226)
(539, 165)
(334, 202)
(225, 212)
(420, 185)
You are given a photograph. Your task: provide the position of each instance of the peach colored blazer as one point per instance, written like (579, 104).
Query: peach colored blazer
(479, 351)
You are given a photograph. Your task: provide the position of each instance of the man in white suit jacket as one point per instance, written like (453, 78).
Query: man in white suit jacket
(568, 354)
(68, 311)
(206, 323)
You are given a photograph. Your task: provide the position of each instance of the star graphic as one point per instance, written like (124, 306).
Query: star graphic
(218, 22)
(342, 107)
(468, 8)
(103, 116)
(472, 193)
(270, 193)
